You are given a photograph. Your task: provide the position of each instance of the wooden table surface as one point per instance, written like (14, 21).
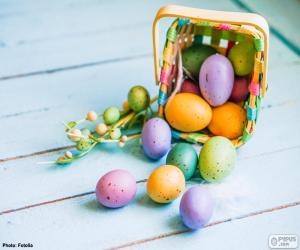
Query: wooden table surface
(61, 58)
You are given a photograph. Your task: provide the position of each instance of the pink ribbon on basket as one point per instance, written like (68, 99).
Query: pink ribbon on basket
(224, 26)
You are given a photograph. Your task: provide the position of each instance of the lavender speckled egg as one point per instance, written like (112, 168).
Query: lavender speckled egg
(196, 207)
(216, 79)
(116, 188)
(156, 138)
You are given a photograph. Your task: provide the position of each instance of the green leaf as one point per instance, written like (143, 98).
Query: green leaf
(70, 125)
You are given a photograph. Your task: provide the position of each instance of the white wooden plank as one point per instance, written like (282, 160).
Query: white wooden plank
(247, 234)
(52, 180)
(256, 184)
(79, 32)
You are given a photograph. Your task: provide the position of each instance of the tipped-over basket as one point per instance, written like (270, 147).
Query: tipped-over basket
(221, 30)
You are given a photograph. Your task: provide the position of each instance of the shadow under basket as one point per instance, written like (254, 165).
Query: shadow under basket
(220, 30)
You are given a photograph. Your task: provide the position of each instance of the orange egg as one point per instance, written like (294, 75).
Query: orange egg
(165, 184)
(228, 120)
(188, 112)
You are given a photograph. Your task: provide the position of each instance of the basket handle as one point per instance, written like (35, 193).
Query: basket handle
(206, 15)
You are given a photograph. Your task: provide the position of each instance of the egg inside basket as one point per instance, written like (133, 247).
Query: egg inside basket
(213, 73)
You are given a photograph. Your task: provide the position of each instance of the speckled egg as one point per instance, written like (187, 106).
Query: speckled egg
(242, 58)
(183, 156)
(194, 56)
(165, 184)
(116, 188)
(196, 207)
(217, 159)
(156, 138)
(188, 86)
(240, 90)
(216, 79)
(228, 120)
(188, 112)
(138, 98)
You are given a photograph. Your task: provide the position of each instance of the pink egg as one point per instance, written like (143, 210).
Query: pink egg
(189, 86)
(116, 188)
(240, 90)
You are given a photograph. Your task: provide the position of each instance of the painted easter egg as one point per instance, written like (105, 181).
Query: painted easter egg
(216, 79)
(194, 56)
(165, 184)
(138, 98)
(228, 120)
(116, 188)
(240, 90)
(156, 138)
(188, 86)
(183, 156)
(196, 207)
(217, 159)
(242, 58)
(188, 112)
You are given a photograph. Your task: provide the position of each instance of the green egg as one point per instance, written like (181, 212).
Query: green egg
(217, 159)
(194, 56)
(242, 58)
(183, 156)
(138, 98)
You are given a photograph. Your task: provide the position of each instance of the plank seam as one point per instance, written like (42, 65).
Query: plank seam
(18, 157)
(74, 67)
(54, 201)
(166, 235)
(12, 158)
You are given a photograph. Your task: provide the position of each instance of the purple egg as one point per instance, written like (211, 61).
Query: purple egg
(156, 138)
(240, 89)
(216, 79)
(116, 188)
(196, 207)
(189, 86)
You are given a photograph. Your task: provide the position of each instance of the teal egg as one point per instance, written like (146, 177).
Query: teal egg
(183, 156)
(217, 159)
(194, 56)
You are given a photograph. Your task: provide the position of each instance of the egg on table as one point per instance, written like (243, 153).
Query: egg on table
(196, 207)
(156, 138)
(183, 156)
(217, 159)
(165, 184)
(228, 120)
(188, 112)
(216, 79)
(116, 188)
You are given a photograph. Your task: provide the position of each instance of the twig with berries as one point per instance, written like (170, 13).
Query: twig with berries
(115, 127)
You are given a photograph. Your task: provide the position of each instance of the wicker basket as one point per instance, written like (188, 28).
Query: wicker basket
(220, 30)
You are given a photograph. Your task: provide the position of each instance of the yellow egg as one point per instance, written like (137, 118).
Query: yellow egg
(188, 112)
(165, 184)
(228, 120)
